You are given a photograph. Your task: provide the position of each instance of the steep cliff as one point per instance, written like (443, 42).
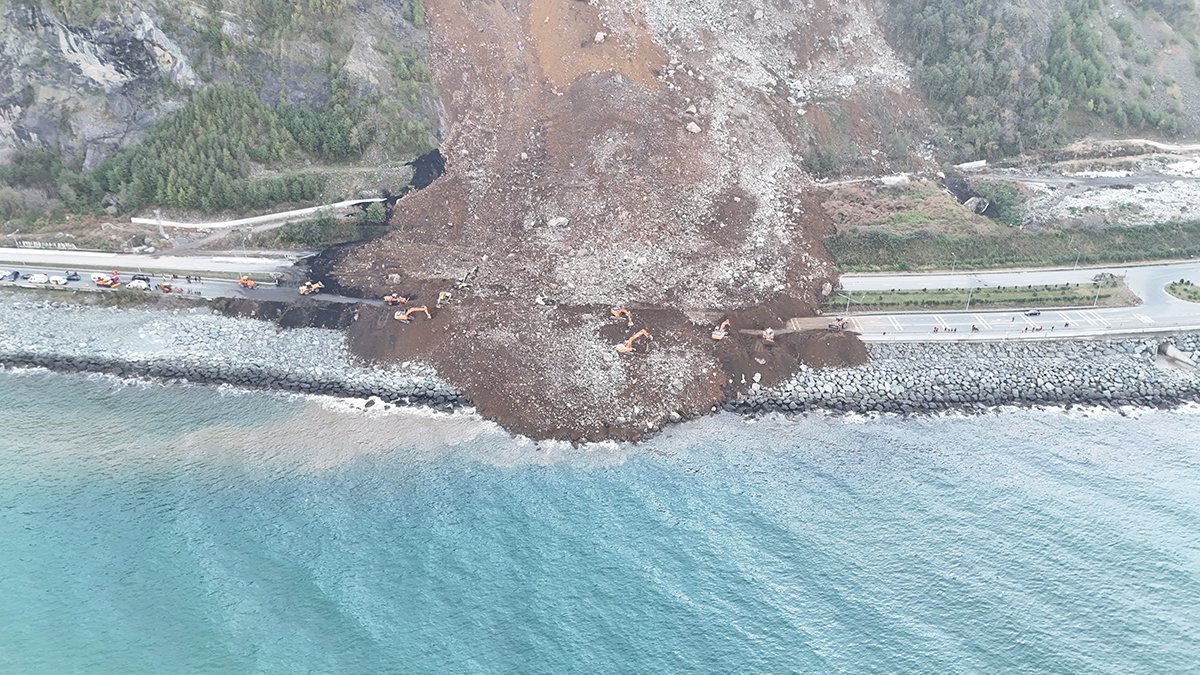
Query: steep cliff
(82, 79)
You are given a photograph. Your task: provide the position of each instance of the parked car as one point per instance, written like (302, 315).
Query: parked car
(97, 276)
(142, 277)
(25, 275)
(138, 284)
(72, 276)
(38, 279)
(58, 280)
(14, 275)
(1033, 312)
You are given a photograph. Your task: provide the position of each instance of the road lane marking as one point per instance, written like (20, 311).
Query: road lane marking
(1100, 320)
(983, 322)
(1143, 318)
(940, 320)
(896, 324)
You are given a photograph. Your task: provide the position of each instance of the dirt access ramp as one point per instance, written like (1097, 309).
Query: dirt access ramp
(614, 153)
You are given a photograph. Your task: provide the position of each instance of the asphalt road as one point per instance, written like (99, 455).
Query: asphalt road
(1159, 311)
(56, 263)
(27, 259)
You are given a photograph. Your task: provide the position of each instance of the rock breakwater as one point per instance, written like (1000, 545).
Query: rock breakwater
(928, 377)
(198, 345)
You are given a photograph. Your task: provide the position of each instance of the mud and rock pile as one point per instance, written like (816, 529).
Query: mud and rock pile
(619, 153)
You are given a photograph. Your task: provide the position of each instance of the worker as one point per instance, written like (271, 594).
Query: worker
(768, 336)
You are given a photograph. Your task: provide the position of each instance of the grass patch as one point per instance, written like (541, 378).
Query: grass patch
(867, 250)
(1109, 293)
(1184, 290)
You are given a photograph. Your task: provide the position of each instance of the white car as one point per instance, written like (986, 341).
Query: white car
(58, 281)
(138, 284)
(4, 275)
(96, 276)
(38, 279)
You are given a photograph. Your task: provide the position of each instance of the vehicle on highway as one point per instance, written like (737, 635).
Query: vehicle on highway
(138, 284)
(142, 277)
(97, 276)
(38, 279)
(72, 276)
(58, 280)
(25, 276)
(3, 275)
(1033, 312)
(14, 275)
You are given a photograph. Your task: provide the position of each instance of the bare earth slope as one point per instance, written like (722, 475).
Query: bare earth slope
(616, 153)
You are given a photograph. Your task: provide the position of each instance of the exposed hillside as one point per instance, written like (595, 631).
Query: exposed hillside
(299, 86)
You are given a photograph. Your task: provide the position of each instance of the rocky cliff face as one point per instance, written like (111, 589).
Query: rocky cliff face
(81, 84)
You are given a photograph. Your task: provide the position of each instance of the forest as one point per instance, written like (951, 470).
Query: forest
(217, 153)
(1000, 92)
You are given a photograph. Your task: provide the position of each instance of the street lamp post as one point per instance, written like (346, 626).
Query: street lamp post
(970, 294)
(953, 262)
(1077, 254)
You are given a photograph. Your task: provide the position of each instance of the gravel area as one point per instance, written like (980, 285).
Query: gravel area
(200, 346)
(926, 377)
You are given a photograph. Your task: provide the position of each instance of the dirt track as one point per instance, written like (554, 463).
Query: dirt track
(601, 170)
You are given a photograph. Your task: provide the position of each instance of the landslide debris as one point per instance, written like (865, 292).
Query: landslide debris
(619, 153)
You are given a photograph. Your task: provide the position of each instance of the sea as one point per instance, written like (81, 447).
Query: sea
(151, 528)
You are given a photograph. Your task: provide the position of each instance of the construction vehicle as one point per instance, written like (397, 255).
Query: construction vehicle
(839, 324)
(247, 282)
(394, 300)
(627, 346)
(618, 312)
(464, 282)
(722, 331)
(444, 298)
(166, 288)
(406, 315)
(109, 282)
(310, 287)
(768, 336)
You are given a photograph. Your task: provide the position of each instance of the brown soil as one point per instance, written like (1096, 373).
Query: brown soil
(571, 172)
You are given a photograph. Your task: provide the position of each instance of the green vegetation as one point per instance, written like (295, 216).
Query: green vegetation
(1108, 293)
(1004, 199)
(1184, 290)
(325, 230)
(1001, 96)
(211, 156)
(859, 250)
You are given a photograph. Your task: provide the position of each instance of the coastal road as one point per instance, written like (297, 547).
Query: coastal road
(225, 263)
(56, 263)
(1159, 311)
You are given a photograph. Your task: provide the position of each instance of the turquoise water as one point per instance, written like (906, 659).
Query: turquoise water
(187, 529)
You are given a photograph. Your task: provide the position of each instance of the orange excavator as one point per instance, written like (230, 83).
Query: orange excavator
(839, 324)
(618, 312)
(247, 282)
(394, 300)
(721, 332)
(406, 315)
(768, 336)
(627, 346)
(111, 282)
